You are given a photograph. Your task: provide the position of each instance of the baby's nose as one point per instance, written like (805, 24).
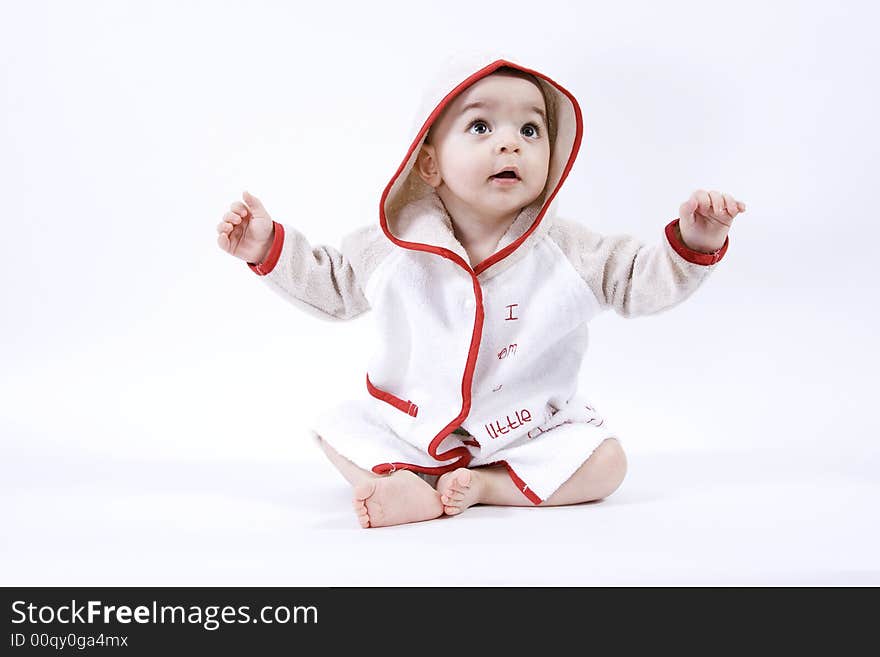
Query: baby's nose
(507, 140)
(507, 145)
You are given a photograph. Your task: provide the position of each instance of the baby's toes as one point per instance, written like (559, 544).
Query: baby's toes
(364, 519)
(359, 503)
(452, 496)
(453, 502)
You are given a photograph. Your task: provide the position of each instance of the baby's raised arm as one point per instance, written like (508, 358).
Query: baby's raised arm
(321, 280)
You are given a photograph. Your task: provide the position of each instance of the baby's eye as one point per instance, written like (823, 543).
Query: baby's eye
(479, 122)
(533, 127)
(528, 126)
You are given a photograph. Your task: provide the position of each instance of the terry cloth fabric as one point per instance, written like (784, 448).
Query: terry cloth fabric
(478, 365)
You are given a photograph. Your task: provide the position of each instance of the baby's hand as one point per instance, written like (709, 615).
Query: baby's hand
(247, 231)
(705, 219)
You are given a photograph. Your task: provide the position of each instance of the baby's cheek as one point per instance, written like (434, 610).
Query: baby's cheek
(474, 172)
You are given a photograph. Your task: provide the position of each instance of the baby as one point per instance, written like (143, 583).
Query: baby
(482, 298)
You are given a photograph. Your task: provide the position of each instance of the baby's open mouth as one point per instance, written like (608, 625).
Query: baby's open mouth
(505, 174)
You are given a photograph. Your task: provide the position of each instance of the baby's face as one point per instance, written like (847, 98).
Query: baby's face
(471, 144)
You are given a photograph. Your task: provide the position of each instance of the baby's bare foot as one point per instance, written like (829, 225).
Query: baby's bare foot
(396, 499)
(458, 490)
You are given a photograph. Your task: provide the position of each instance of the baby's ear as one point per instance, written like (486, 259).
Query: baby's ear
(426, 165)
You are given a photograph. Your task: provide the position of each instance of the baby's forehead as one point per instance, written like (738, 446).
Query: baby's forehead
(501, 89)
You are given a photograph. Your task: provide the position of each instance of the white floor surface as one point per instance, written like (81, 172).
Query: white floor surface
(681, 518)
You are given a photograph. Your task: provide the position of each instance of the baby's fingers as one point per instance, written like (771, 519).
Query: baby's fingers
(729, 205)
(233, 218)
(239, 208)
(733, 206)
(716, 202)
(704, 202)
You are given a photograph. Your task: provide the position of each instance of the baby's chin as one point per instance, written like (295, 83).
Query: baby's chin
(487, 201)
(514, 195)
(492, 206)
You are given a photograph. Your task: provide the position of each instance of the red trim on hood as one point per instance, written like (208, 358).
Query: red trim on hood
(463, 454)
(503, 253)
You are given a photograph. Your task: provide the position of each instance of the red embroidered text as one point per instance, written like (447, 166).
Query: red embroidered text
(506, 425)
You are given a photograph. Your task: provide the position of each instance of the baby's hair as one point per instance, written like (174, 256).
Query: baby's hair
(515, 72)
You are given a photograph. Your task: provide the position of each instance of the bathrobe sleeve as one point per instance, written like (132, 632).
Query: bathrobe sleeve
(325, 282)
(629, 276)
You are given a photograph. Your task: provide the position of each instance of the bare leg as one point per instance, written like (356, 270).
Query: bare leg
(382, 500)
(352, 473)
(598, 477)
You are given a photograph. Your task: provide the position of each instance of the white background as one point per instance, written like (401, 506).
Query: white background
(155, 394)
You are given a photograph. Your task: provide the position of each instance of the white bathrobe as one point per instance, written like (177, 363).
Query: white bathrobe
(478, 365)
